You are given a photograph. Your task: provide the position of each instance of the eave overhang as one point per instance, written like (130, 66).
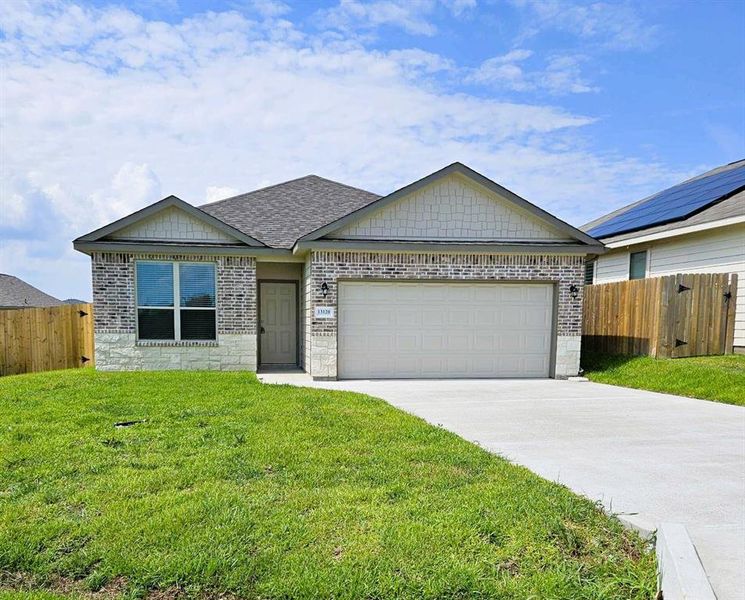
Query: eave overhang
(460, 247)
(177, 248)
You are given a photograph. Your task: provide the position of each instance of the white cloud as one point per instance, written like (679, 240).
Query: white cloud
(561, 74)
(409, 15)
(213, 193)
(503, 70)
(615, 25)
(105, 111)
(413, 16)
(458, 7)
(269, 8)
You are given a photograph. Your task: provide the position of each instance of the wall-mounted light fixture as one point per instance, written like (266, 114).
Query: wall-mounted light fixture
(573, 291)
(325, 289)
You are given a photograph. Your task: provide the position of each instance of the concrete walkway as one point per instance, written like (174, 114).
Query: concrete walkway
(651, 457)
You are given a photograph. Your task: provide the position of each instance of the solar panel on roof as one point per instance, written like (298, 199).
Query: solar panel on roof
(675, 203)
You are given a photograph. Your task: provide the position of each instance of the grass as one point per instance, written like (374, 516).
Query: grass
(718, 378)
(230, 488)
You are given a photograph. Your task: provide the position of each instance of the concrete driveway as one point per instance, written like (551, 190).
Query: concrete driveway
(651, 457)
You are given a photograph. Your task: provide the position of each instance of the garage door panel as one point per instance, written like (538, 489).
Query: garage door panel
(353, 343)
(351, 318)
(458, 317)
(433, 342)
(486, 294)
(535, 317)
(538, 294)
(383, 342)
(484, 317)
(407, 366)
(458, 342)
(432, 366)
(433, 317)
(377, 292)
(456, 366)
(407, 317)
(513, 293)
(408, 342)
(424, 329)
(408, 292)
(537, 343)
(485, 343)
(380, 317)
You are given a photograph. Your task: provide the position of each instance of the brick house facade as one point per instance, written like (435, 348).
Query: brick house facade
(439, 230)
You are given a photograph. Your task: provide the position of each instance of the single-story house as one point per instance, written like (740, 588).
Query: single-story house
(16, 293)
(697, 226)
(450, 276)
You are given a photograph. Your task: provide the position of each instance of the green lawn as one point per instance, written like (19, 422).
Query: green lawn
(718, 378)
(252, 491)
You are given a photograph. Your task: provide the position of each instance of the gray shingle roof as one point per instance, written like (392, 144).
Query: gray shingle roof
(16, 293)
(280, 214)
(733, 206)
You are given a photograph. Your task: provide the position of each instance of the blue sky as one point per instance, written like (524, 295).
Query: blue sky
(579, 107)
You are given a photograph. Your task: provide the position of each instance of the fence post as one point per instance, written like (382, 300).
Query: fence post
(729, 337)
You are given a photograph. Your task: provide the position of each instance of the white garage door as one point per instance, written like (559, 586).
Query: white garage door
(392, 329)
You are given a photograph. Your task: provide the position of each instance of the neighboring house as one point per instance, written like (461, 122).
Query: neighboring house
(697, 226)
(451, 276)
(16, 293)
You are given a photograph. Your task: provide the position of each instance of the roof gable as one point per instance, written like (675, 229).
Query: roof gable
(173, 224)
(451, 208)
(506, 203)
(171, 220)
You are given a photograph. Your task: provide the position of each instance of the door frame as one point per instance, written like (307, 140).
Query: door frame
(554, 283)
(296, 283)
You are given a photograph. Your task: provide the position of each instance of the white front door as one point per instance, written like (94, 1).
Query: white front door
(444, 329)
(278, 323)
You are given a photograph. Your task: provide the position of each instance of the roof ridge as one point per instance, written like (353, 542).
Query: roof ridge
(274, 185)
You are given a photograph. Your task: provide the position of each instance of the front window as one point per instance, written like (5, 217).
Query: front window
(638, 265)
(175, 301)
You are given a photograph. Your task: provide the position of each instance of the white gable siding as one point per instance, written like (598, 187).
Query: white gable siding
(173, 224)
(450, 209)
(715, 251)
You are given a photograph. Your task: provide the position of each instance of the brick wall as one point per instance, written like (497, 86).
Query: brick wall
(115, 316)
(330, 266)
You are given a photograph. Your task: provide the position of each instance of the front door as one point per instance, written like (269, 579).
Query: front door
(278, 323)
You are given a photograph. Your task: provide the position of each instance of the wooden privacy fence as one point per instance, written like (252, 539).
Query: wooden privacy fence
(666, 317)
(42, 339)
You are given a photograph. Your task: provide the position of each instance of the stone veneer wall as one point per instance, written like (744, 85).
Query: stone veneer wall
(332, 266)
(117, 347)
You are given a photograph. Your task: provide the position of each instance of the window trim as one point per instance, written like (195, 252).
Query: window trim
(176, 308)
(646, 264)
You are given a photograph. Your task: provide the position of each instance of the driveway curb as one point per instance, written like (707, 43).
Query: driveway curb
(680, 574)
(679, 570)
